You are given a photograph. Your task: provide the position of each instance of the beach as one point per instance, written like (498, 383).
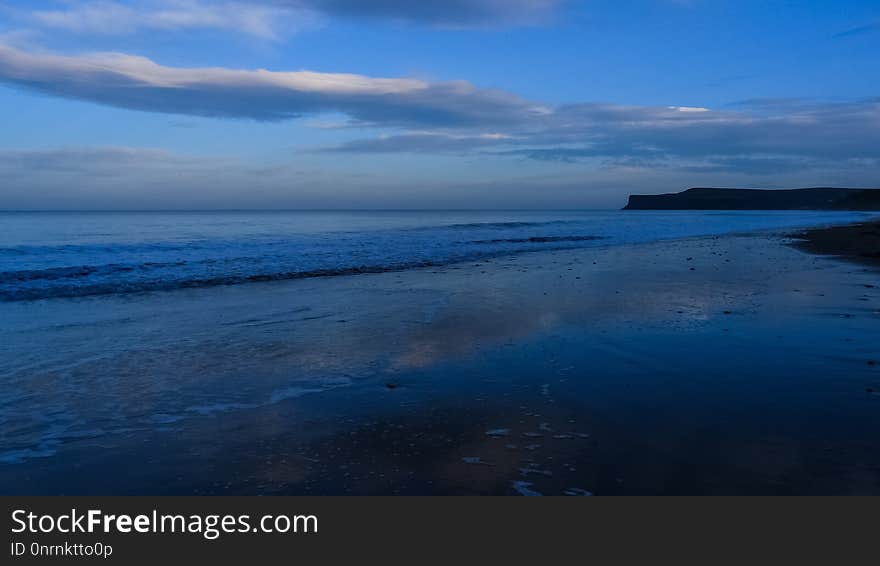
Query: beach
(732, 364)
(858, 242)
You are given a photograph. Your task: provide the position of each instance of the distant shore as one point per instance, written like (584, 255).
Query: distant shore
(857, 242)
(702, 198)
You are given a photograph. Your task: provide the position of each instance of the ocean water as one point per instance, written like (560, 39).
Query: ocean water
(136, 357)
(72, 254)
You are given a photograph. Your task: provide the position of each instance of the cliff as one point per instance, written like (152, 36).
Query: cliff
(759, 199)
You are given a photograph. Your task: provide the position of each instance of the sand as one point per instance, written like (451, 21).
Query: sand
(858, 242)
(726, 365)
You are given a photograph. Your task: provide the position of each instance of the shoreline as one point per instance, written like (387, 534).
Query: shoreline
(105, 288)
(858, 242)
(601, 369)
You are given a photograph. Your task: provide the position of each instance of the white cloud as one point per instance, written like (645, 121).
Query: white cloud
(138, 83)
(689, 108)
(109, 17)
(446, 13)
(132, 178)
(275, 19)
(456, 117)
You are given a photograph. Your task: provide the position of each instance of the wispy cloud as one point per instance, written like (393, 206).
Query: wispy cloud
(98, 161)
(758, 136)
(138, 83)
(275, 19)
(419, 142)
(859, 30)
(126, 178)
(774, 138)
(454, 13)
(110, 17)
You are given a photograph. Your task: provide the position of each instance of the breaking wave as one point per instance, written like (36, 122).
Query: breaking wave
(46, 255)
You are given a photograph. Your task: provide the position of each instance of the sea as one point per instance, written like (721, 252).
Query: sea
(433, 352)
(58, 255)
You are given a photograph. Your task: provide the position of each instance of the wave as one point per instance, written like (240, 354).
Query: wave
(151, 253)
(497, 225)
(537, 240)
(80, 271)
(89, 280)
(124, 287)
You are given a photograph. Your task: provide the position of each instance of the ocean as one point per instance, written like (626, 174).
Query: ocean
(232, 352)
(46, 255)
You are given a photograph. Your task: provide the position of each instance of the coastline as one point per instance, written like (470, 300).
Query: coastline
(859, 242)
(194, 250)
(602, 370)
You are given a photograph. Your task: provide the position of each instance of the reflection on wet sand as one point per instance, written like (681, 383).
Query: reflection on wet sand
(716, 365)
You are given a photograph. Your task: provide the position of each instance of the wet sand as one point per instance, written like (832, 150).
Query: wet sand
(857, 242)
(725, 365)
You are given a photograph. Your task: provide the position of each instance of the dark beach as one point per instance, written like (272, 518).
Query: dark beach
(720, 365)
(857, 242)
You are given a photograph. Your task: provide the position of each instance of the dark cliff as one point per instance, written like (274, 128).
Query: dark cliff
(758, 199)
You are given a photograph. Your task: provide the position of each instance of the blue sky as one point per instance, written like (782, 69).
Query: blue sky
(457, 104)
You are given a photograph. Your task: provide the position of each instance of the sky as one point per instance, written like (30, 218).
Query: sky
(377, 104)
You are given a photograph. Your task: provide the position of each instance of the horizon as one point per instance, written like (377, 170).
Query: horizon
(249, 105)
(484, 209)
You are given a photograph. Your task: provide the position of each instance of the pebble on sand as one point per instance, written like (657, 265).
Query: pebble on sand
(577, 491)
(476, 460)
(524, 488)
(498, 432)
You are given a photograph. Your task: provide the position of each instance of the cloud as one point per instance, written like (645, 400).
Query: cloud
(79, 170)
(137, 83)
(109, 17)
(69, 158)
(118, 177)
(769, 137)
(761, 137)
(133, 177)
(418, 142)
(448, 13)
(274, 19)
(144, 178)
(860, 30)
(754, 165)
(575, 154)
